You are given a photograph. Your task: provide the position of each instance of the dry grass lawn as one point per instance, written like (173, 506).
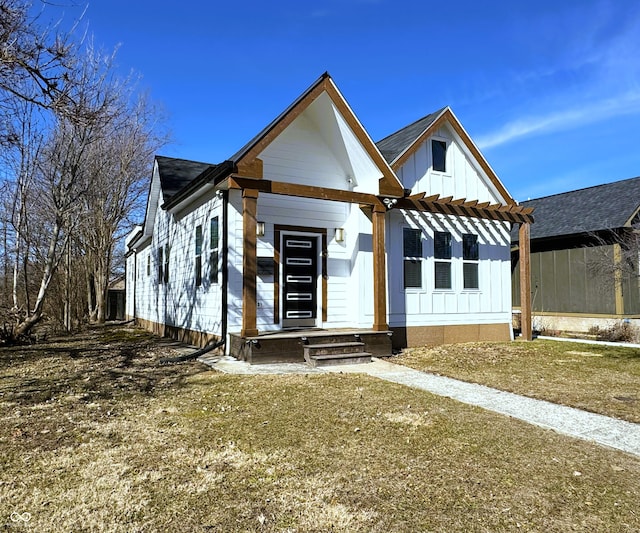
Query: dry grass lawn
(597, 378)
(94, 436)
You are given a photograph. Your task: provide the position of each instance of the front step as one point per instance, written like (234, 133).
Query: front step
(336, 353)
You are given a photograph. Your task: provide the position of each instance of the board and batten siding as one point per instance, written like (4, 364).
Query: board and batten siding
(462, 179)
(425, 306)
(343, 271)
(179, 302)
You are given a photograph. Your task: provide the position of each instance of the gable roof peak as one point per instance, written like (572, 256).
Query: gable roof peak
(394, 145)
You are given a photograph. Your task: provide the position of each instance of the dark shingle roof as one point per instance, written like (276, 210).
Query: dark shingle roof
(593, 209)
(393, 145)
(176, 174)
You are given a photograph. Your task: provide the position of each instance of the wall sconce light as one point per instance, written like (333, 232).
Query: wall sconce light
(260, 229)
(339, 234)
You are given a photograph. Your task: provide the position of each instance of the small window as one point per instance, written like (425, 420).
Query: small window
(412, 251)
(439, 155)
(213, 247)
(442, 254)
(213, 234)
(470, 257)
(166, 264)
(160, 265)
(198, 261)
(149, 264)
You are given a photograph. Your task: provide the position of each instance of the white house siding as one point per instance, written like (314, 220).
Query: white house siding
(462, 179)
(426, 306)
(179, 302)
(343, 270)
(130, 284)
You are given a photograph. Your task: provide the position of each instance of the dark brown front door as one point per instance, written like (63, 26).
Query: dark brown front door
(300, 276)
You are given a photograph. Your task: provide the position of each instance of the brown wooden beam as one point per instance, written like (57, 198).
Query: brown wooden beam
(468, 209)
(379, 271)
(304, 191)
(251, 168)
(525, 282)
(249, 263)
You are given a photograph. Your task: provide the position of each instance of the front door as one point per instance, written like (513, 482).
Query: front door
(300, 276)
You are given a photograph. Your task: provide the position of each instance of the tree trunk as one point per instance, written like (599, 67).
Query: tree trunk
(50, 267)
(91, 300)
(101, 283)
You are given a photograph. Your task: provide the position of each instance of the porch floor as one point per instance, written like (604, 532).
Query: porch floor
(287, 346)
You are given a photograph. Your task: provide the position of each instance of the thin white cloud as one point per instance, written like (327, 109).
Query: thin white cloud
(562, 119)
(596, 76)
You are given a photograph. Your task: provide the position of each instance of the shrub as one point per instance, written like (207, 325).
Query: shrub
(618, 332)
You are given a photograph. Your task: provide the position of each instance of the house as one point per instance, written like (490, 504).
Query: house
(584, 257)
(115, 299)
(311, 235)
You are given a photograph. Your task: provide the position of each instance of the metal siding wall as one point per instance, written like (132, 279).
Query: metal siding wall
(631, 294)
(547, 288)
(578, 287)
(600, 290)
(562, 280)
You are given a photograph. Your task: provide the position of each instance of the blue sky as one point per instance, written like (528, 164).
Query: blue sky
(550, 91)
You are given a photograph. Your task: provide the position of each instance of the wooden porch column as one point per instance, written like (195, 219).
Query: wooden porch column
(525, 281)
(249, 263)
(379, 271)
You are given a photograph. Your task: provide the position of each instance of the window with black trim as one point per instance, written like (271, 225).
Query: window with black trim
(439, 155)
(412, 252)
(160, 265)
(442, 255)
(149, 264)
(470, 261)
(213, 250)
(166, 263)
(198, 262)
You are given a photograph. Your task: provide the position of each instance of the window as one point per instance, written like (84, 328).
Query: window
(149, 264)
(470, 257)
(213, 247)
(160, 265)
(439, 155)
(198, 265)
(412, 251)
(166, 264)
(442, 254)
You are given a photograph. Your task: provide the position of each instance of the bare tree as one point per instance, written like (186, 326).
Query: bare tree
(64, 178)
(119, 167)
(77, 170)
(615, 257)
(35, 61)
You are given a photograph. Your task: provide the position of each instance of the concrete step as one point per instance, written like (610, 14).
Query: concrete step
(333, 348)
(339, 359)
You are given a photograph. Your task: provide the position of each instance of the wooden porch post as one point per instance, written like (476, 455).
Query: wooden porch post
(379, 271)
(249, 263)
(525, 281)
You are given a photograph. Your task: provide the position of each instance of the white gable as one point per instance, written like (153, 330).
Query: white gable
(153, 201)
(320, 149)
(463, 178)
